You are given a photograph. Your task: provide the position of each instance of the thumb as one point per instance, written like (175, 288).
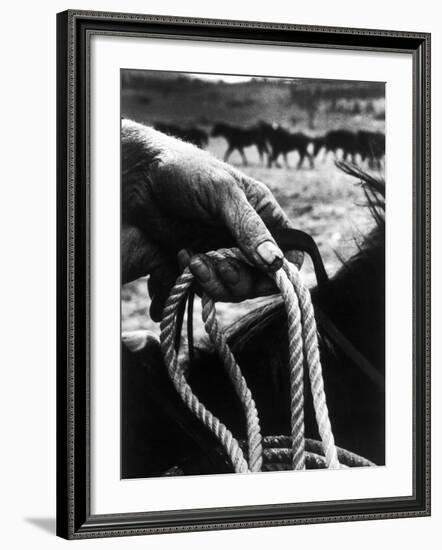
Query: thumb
(249, 230)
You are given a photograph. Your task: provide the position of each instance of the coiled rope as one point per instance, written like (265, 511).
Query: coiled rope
(303, 349)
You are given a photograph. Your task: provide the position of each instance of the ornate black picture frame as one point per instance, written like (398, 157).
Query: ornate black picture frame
(74, 518)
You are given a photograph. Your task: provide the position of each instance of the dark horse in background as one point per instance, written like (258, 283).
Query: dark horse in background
(339, 140)
(238, 138)
(370, 146)
(159, 434)
(197, 136)
(282, 142)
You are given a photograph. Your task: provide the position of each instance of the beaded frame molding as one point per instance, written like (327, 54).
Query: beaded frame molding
(74, 518)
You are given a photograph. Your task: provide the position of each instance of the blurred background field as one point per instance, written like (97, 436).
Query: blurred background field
(323, 201)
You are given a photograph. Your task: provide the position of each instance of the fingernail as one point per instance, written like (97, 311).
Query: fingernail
(200, 269)
(229, 272)
(270, 255)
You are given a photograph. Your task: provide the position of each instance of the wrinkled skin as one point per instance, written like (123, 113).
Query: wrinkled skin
(179, 202)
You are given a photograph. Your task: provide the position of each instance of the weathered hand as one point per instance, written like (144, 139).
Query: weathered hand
(175, 197)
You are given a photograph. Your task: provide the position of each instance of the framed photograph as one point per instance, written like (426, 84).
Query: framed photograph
(243, 274)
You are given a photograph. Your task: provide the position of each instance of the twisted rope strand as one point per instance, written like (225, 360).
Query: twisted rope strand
(311, 348)
(303, 345)
(176, 375)
(296, 362)
(238, 381)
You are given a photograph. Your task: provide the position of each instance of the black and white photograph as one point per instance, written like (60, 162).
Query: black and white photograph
(221, 267)
(253, 214)
(243, 277)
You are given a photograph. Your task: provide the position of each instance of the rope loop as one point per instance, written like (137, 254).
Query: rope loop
(303, 350)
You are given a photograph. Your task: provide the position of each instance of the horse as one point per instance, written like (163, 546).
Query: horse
(371, 147)
(318, 144)
(281, 142)
(161, 437)
(341, 139)
(197, 136)
(237, 138)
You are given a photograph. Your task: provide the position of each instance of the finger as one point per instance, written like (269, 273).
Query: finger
(268, 208)
(203, 269)
(248, 229)
(265, 203)
(160, 284)
(265, 286)
(139, 256)
(236, 278)
(242, 281)
(184, 257)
